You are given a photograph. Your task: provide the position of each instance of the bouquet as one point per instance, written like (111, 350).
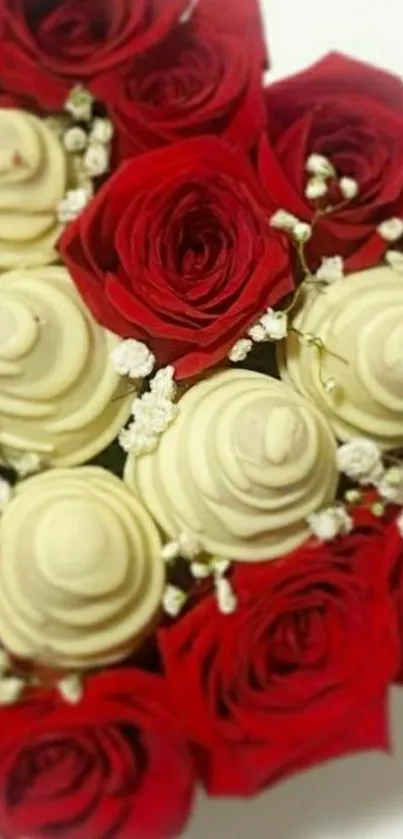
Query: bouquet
(201, 413)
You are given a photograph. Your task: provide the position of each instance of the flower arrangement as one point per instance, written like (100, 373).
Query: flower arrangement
(201, 413)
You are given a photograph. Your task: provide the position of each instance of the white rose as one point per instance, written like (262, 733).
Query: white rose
(33, 180)
(360, 459)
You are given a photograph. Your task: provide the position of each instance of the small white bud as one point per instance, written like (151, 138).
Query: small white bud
(5, 493)
(226, 598)
(257, 333)
(170, 551)
(315, 188)
(240, 350)
(133, 358)
(96, 160)
(200, 570)
(302, 232)
(75, 139)
(11, 689)
(275, 325)
(331, 270)
(282, 220)
(71, 688)
(348, 188)
(73, 204)
(102, 131)
(173, 601)
(319, 165)
(391, 230)
(79, 104)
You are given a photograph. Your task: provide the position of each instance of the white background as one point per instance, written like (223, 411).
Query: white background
(360, 797)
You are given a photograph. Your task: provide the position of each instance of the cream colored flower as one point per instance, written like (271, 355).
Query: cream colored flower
(241, 468)
(81, 576)
(33, 180)
(360, 321)
(61, 400)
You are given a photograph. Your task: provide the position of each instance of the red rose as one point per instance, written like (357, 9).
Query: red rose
(177, 250)
(352, 114)
(47, 47)
(114, 765)
(298, 674)
(194, 82)
(394, 550)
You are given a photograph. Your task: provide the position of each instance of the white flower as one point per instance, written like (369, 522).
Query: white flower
(257, 333)
(327, 524)
(348, 188)
(395, 260)
(5, 493)
(75, 139)
(71, 688)
(79, 104)
(153, 413)
(390, 487)
(11, 689)
(189, 547)
(240, 350)
(391, 230)
(73, 204)
(27, 464)
(282, 220)
(275, 325)
(315, 188)
(361, 460)
(102, 131)
(399, 522)
(173, 601)
(319, 165)
(331, 269)
(133, 358)
(302, 232)
(226, 598)
(133, 439)
(163, 383)
(200, 570)
(96, 160)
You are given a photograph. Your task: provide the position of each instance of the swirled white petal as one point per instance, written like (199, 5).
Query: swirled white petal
(361, 319)
(244, 464)
(81, 575)
(33, 180)
(60, 395)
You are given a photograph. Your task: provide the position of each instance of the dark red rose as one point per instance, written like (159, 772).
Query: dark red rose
(176, 250)
(353, 114)
(115, 765)
(49, 46)
(395, 551)
(298, 674)
(196, 81)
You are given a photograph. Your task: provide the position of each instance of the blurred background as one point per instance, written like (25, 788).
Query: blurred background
(359, 797)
